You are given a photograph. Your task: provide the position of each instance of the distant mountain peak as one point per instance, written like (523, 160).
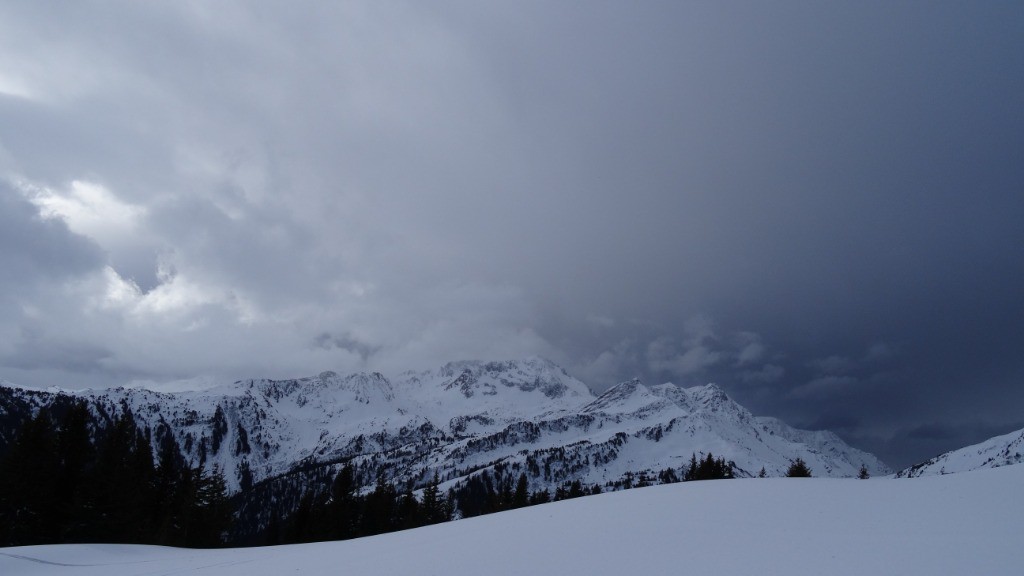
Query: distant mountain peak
(460, 418)
(472, 378)
(1003, 450)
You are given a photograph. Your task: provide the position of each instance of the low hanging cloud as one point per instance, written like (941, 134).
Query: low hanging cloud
(767, 374)
(824, 386)
(751, 348)
(702, 354)
(665, 355)
(832, 365)
(698, 351)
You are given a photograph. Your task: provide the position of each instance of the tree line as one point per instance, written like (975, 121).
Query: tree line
(64, 480)
(71, 477)
(344, 512)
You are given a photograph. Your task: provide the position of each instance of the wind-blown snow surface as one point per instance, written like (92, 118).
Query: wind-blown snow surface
(968, 523)
(998, 451)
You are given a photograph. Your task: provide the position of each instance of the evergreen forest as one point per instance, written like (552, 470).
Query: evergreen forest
(68, 476)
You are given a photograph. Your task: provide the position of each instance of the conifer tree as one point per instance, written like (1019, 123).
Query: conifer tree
(210, 514)
(540, 497)
(300, 522)
(30, 470)
(344, 509)
(408, 513)
(124, 479)
(798, 469)
(575, 489)
(691, 470)
(272, 534)
(521, 497)
(75, 454)
(433, 502)
(379, 509)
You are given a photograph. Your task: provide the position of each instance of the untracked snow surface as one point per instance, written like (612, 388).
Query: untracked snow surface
(968, 523)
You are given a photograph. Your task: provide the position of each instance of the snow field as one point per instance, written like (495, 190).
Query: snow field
(968, 523)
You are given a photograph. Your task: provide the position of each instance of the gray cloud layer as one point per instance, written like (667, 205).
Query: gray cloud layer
(817, 206)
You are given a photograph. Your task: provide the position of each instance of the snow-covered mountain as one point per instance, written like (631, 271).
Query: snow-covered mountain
(528, 416)
(998, 451)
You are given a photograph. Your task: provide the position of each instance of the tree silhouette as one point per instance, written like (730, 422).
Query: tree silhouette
(798, 469)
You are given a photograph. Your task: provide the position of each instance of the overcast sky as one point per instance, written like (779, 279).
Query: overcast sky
(817, 205)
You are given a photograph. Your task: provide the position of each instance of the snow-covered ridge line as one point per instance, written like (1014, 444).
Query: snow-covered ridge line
(528, 415)
(1004, 450)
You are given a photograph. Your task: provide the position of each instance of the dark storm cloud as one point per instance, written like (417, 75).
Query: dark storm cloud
(38, 254)
(935, 438)
(37, 249)
(815, 205)
(328, 341)
(32, 352)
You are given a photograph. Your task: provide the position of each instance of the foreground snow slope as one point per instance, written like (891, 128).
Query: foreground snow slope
(968, 523)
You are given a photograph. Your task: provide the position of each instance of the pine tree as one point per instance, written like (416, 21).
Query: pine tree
(575, 489)
(521, 497)
(798, 469)
(76, 455)
(344, 510)
(300, 522)
(540, 497)
(691, 470)
(272, 534)
(28, 511)
(408, 511)
(211, 514)
(143, 500)
(123, 484)
(504, 490)
(433, 502)
(379, 510)
(863, 474)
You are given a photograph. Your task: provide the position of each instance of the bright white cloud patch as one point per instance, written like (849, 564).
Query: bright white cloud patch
(11, 85)
(88, 208)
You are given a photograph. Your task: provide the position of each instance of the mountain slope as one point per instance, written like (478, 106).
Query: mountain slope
(998, 451)
(957, 524)
(522, 417)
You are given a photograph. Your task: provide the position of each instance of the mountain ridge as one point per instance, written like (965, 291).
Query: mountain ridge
(1002, 450)
(461, 418)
